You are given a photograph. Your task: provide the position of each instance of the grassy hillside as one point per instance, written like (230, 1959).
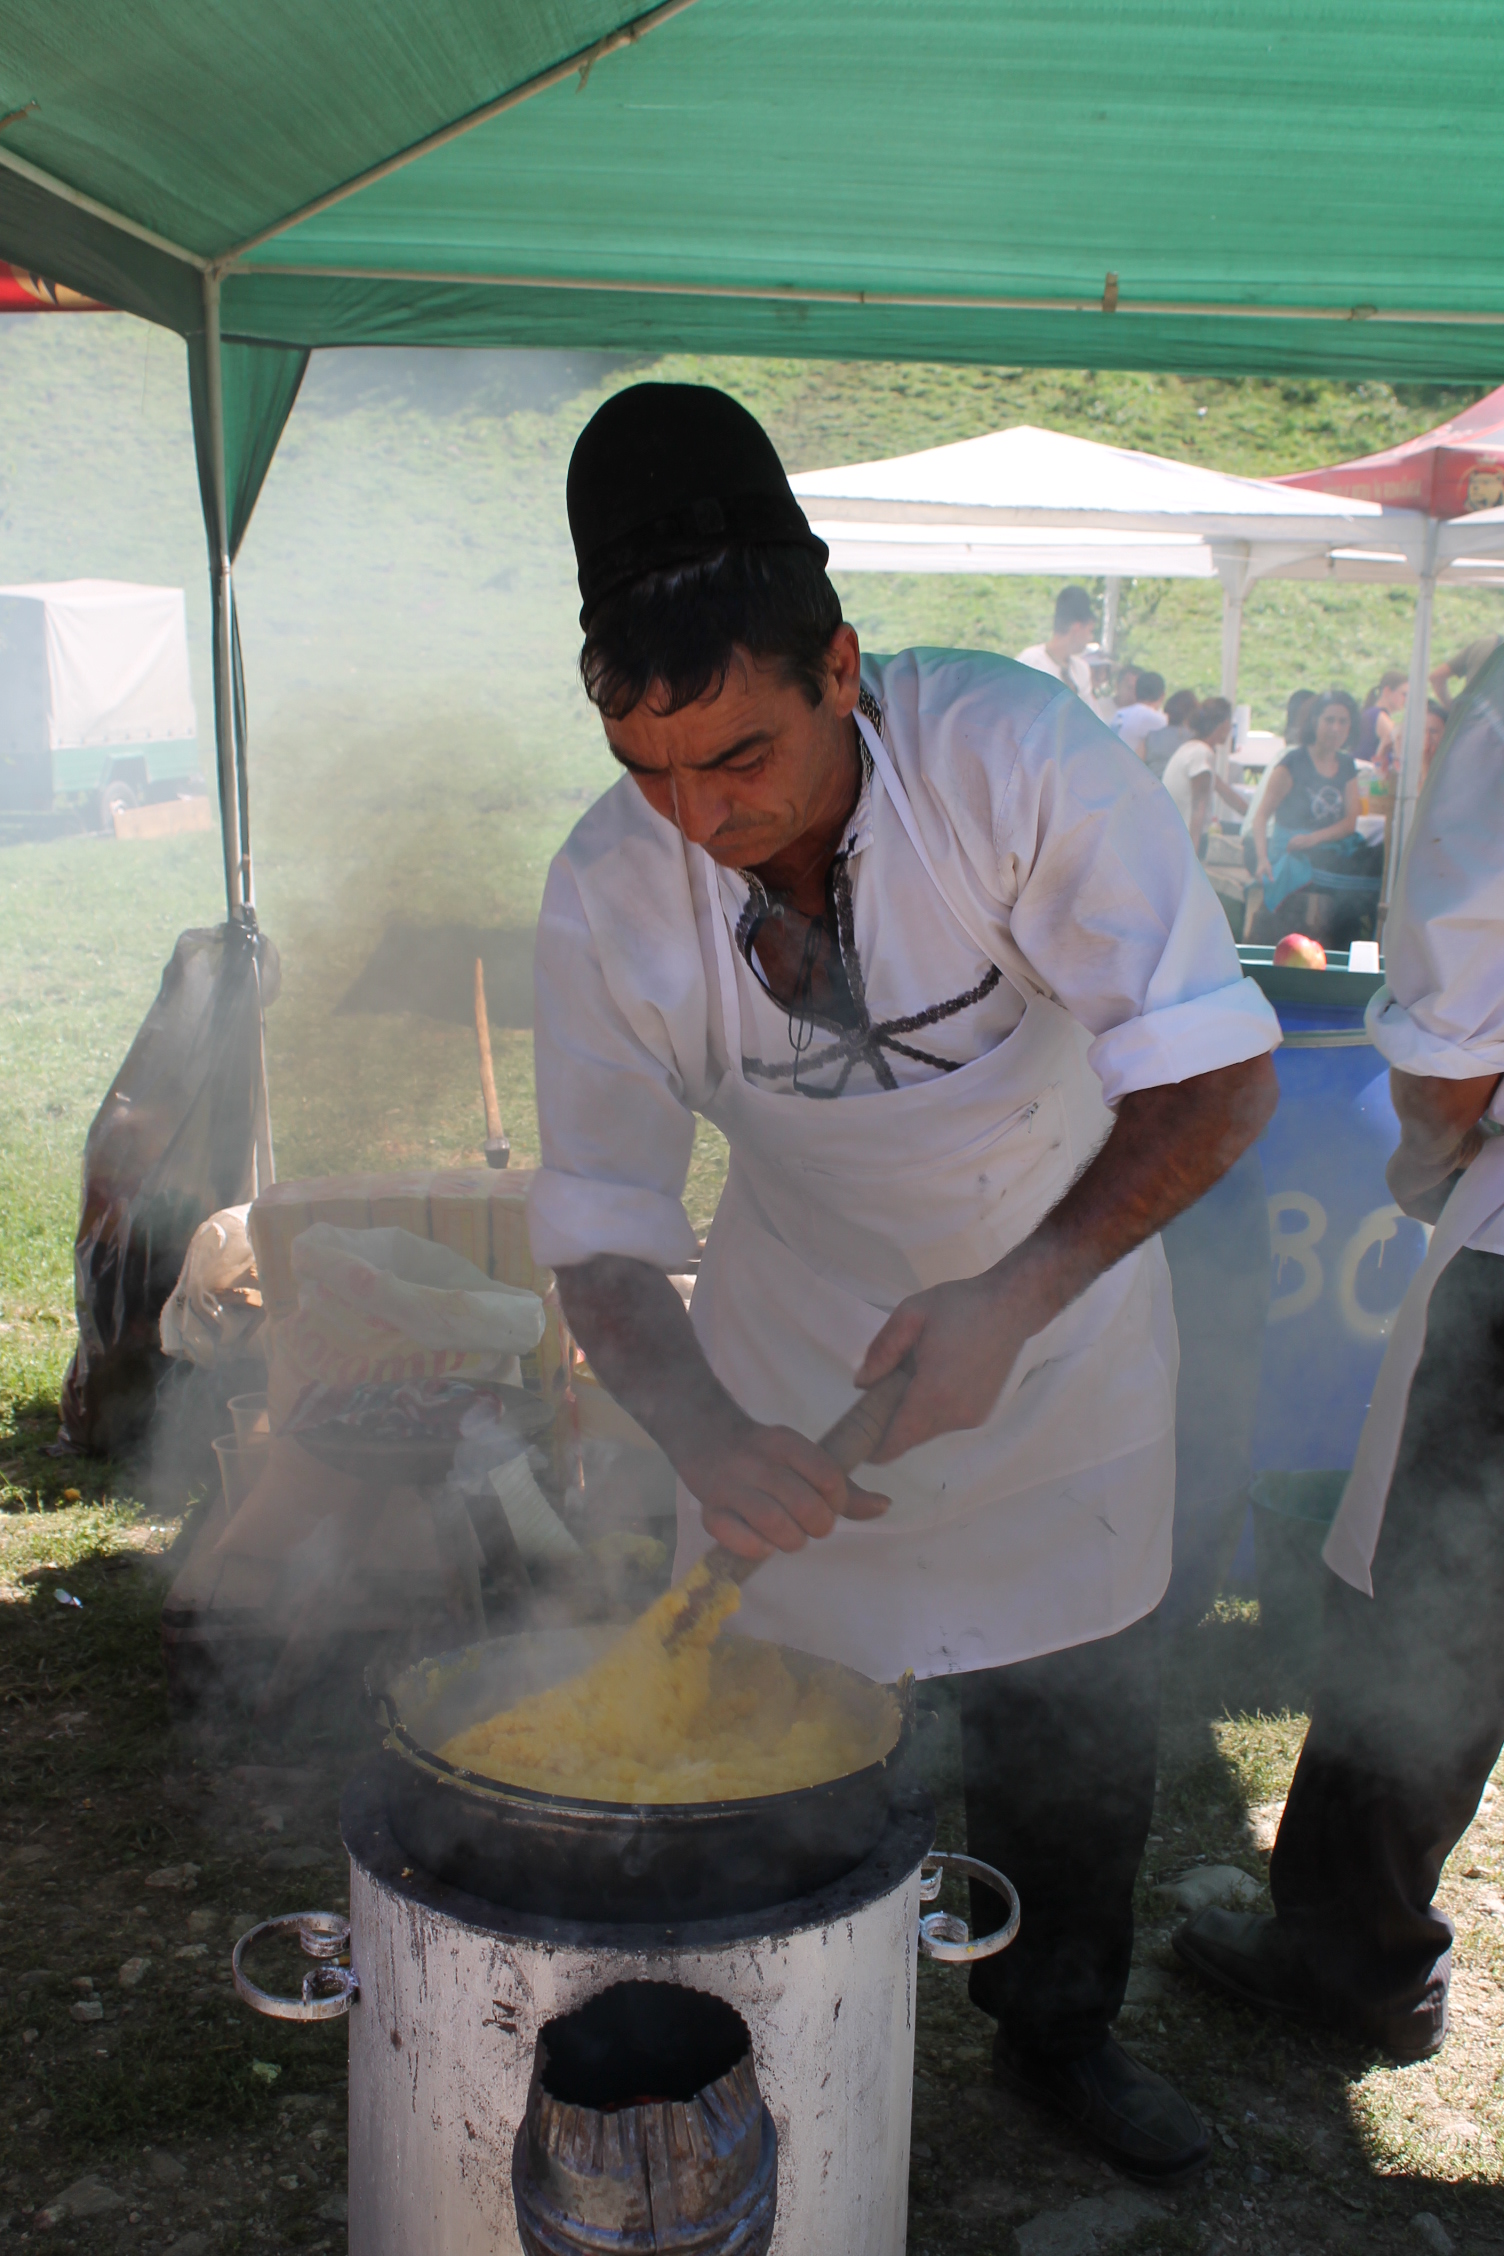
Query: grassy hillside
(419, 741)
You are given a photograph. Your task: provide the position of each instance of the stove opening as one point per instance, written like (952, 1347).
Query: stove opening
(640, 2042)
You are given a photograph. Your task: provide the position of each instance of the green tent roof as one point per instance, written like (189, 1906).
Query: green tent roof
(1260, 185)
(1274, 184)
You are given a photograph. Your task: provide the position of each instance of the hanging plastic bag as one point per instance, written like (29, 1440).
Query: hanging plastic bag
(182, 1133)
(215, 1306)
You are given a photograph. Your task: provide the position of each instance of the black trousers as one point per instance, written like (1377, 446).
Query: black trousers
(1058, 1759)
(1408, 1717)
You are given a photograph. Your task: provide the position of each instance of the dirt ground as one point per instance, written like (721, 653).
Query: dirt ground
(134, 1850)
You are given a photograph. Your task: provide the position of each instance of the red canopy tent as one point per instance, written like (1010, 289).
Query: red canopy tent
(1453, 471)
(1454, 476)
(30, 293)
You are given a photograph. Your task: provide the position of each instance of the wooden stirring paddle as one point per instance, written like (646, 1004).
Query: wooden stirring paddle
(850, 1441)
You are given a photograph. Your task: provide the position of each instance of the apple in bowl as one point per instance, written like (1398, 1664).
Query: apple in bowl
(1305, 954)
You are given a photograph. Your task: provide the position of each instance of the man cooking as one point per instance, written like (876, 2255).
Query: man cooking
(932, 950)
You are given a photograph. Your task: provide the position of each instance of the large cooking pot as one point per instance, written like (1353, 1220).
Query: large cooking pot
(557, 1856)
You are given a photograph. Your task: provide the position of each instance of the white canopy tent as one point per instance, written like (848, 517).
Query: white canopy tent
(1027, 500)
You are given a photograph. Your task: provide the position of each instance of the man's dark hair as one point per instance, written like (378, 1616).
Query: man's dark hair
(1074, 608)
(676, 632)
(1148, 687)
(1180, 707)
(1209, 716)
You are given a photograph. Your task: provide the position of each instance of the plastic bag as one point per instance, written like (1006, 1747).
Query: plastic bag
(182, 1133)
(388, 1306)
(216, 1302)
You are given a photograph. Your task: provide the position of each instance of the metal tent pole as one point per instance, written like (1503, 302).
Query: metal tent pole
(237, 859)
(1233, 570)
(1415, 719)
(1232, 635)
(1111, 587)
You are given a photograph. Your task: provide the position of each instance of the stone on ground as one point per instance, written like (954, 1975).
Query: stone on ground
(86, 2197)
(1432, 2234)
(1208, 1884)
(1085, 2226)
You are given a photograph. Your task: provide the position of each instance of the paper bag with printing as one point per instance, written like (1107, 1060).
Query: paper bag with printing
(388, 1307)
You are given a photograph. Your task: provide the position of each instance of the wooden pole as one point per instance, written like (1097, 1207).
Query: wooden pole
(498, 1150)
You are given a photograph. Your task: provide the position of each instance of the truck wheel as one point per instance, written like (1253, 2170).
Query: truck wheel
(112, 795)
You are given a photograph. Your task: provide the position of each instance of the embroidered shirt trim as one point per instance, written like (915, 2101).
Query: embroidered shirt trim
(866, 1041)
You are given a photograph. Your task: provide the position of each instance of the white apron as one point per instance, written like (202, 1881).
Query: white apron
(1050, 1524)
(1355, 1532)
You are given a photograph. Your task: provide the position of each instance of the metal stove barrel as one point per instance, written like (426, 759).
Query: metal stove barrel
(448, 1994)
(455, 1992)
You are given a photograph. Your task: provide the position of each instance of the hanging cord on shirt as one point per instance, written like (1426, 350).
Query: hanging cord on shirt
(796, 995)
(858, 1041)
(802, 1021)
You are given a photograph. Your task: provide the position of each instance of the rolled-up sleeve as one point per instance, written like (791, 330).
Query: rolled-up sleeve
(1115, 913)
(616, 1130)
(1440, 1011)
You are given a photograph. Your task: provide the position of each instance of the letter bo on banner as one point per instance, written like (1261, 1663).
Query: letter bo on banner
(1343, 1253)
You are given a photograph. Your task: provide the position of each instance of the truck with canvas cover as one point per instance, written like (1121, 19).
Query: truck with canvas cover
(95, 695)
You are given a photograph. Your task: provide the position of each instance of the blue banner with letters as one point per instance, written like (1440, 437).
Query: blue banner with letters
(1342, 1251)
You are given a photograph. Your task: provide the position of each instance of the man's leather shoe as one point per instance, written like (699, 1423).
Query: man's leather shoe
(1138, 2120)
(1259, 1961)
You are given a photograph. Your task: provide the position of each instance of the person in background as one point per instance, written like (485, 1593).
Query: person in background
(1141, 721)
(1468, 664)
(1436, 721)
(1112, 690)
(1125, 688)
(1100, 662)
(1408, 1718)
(1378, 729)
(1316, 786)
(1064, 654)
(1297, 704)
(1191, 776)
(1179, 712)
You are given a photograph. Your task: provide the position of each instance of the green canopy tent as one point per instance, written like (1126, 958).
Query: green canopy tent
(1155, 184)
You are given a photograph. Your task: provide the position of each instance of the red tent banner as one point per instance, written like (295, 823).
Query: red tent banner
(1449, 472)
(31, 293)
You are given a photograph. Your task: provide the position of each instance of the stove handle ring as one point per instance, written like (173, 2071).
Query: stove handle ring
(945, 1937)
(328, 1992)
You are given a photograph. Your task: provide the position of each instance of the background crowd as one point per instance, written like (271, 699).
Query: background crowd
(1308, 824)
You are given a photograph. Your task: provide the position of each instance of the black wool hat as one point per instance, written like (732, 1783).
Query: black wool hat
(670, 474)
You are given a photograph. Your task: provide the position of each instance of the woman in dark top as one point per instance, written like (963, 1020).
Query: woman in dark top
(1311, 799)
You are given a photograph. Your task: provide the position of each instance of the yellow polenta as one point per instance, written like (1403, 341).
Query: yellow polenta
(698, 1721)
